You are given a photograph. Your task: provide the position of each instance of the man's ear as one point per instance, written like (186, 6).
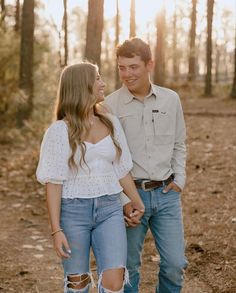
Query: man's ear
(150, 65)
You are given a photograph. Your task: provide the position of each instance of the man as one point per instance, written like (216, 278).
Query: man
(153, 121)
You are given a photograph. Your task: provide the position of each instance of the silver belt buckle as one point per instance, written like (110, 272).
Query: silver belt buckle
(143, 185)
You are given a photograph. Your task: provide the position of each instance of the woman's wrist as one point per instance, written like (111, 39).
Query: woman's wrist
(56, 231)
(138, 205)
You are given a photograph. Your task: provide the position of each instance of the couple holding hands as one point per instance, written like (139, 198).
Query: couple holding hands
(133, 141)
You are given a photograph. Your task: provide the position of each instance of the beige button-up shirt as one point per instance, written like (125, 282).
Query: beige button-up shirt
(155, 132)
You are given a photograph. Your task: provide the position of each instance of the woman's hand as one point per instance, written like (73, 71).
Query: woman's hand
(61, 245)
(53, 196)
(133, 212)
(138, 205)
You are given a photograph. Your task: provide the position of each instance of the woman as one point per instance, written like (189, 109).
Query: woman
(85, 164)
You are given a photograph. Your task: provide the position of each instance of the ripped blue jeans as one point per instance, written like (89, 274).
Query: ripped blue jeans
(97, 223)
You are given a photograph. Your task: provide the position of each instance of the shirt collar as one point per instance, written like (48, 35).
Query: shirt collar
(152, 91)
(129, 96)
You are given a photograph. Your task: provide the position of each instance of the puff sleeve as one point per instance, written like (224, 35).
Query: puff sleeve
(54, 154)
(124, 164)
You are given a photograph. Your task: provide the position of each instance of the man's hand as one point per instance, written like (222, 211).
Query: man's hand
(173, 186)
(132, 215)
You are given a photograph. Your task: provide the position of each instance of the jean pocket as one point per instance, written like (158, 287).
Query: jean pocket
(67, 201)
(173, 192)
(113, 197)
(75, 203)
(110, 200)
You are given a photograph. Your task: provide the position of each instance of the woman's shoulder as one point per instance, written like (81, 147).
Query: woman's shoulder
(57, 125)
(57, 128)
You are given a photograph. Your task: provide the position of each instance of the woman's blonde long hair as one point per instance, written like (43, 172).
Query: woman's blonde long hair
(75, 99)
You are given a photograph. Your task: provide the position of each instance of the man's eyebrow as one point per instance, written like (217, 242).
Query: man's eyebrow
(128, 65)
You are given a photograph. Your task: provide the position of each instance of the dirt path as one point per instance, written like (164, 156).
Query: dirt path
(27, 260)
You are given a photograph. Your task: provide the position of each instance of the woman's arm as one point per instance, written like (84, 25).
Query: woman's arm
(53, 194)
(130, 190)
(135, 209)
(53, 197)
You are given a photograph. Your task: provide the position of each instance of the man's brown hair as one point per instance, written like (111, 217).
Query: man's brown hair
(132, 47)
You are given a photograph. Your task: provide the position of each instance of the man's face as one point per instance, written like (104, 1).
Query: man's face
(134, 73)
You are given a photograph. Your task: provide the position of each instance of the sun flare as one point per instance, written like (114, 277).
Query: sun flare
(146, 12)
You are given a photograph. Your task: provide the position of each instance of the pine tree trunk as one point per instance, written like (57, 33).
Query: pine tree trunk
(159, 71)
(208, 78)
(117, 28)
(233, 92)
(217, 63)
(17, 16)
(3, 14)
(192, 49)
(65, 33)
(132, 31)
(26, 59)
(94, 31)
(174, 48)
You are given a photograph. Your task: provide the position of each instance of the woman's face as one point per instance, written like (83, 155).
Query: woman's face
(98, 88)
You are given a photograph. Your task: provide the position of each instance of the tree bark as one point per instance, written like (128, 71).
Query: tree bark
(217, 62)
(117, 39)
(174, 47)
(65, 27)
(17, 16)
(159, 71)
(3, 7)
(192, 48)
(94, 31)
(26, 58)
(3, 14)
(233, 91)
(132, 30)
(208, 77)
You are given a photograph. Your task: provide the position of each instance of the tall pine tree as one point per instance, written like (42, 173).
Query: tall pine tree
(93, 46)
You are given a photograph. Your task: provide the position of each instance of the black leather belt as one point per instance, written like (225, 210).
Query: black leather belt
(148, 185)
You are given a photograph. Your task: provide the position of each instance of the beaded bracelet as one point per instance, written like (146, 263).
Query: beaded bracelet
(59, 230)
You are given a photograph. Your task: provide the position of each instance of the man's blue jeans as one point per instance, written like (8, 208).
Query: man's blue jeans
(163, 215)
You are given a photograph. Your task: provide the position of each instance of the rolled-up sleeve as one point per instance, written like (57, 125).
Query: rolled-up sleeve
(124, 164)
(54, 155)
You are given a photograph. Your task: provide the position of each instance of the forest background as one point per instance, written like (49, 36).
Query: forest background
(194, 48)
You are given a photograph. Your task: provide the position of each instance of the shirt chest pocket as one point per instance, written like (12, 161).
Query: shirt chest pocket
(131, 126)
(164, 128)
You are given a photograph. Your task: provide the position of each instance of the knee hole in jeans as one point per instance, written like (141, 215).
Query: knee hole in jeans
(113, 283)
(77, 282)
